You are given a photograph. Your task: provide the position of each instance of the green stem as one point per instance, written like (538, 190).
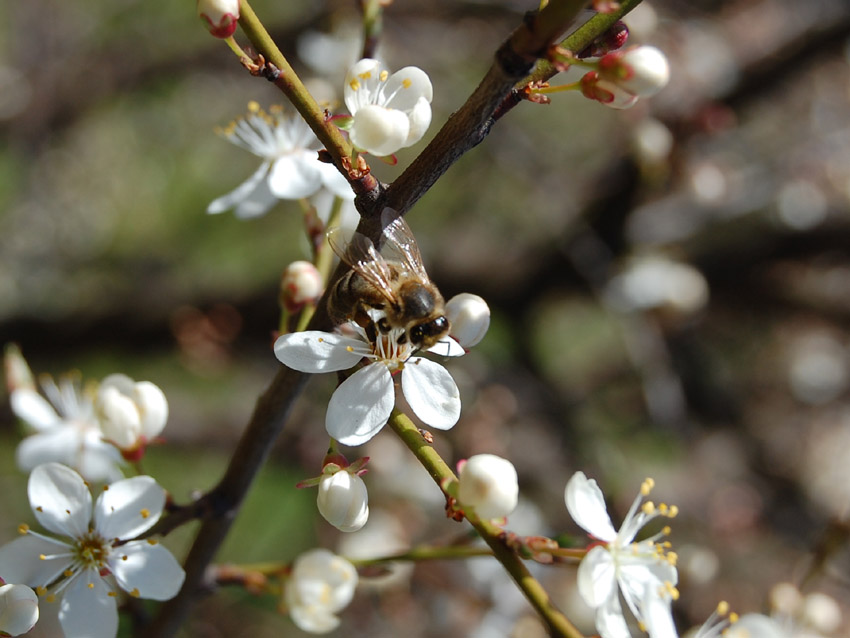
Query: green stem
(492, 534)
(426, 552)
(291, 85)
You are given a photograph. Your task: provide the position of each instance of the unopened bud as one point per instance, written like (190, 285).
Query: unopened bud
(488, 485)
(220, 16)
(301, 284)
(469, 316)
(642, 71)
(343, 500)
(131, 414)
(18, 609)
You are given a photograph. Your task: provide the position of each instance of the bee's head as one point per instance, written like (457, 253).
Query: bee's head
(425, 334)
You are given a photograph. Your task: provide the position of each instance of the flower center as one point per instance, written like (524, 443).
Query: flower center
(91, 551)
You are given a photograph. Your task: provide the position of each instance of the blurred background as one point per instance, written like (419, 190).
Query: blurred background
(670, 288)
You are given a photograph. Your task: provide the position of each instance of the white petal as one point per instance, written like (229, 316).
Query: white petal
(343, 501)
(20, 560)
(355, 97)
(60, 499)
(597, 577)
(120, 382)
(128, 507)
(361, 405)
(431, 393)
(18, 609)
(408, 86)
(58, 445)
(153, 408)
(241, 193)
(420, 119)
(147, 569)
(658, 617)
(447, 347)
(586, 505)
(28, 405)
(313, 619)
(755, 626)
(379, 130)
(333, 180)
(258, 203)
(119, 415)
(87, 610)
(315, 351)
(294, 176)
(610, 622)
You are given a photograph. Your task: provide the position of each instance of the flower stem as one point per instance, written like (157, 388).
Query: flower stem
(293, 88)
(493, 535)
(574, 86)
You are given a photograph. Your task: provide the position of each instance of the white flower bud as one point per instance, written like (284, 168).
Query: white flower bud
(300, 284)
(321, 585)
(18, 609)
(343, 500)
(650, 71)
(469, 316)
(220, 16)
(130, 413)
(488, 484)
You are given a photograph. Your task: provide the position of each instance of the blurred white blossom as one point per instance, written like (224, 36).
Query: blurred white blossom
(18, 609)
(320, 586)
(131, 414)
(469, 316)
(343, 499)
(488, 485)
(290, 169)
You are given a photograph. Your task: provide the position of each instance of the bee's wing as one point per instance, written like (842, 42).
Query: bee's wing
(360, 253)
(400, 246)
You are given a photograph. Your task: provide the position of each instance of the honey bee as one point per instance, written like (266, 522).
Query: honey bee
(392, 280)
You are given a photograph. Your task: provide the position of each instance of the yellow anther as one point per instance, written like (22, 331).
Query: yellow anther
(42, 557)
(674, 593)
(38, 509)
(672, 558)
(145, 512)
(384, 75)
(23, 528)
(365, 75)
(125, 557)
(321, 340)
(642, 626)
(355, 85)
(646, 486)
(666, 531)
(674, 511)
(111, 593)
(662, 508)
(253, 106)
(41, 590)
(90, 585)
(276, 109)
(733, 617)
(648, 508)
(722, 608)
(51, 598)
(349, 348)
(135, 593)
(153, 541)
(68, 573)
(406, 83)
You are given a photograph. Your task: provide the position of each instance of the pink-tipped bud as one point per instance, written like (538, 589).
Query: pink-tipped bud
(469, 316)
(608, 93)
(220, 16)
(613, 39)
(301, 284)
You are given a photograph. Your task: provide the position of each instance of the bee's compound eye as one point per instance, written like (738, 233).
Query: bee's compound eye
(417, 333)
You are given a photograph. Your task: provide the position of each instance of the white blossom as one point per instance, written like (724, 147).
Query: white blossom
(626, 75)
(644, 571)
(488, 484)
(469, 316)
(82, 568)
(343, 500)
(131, 413)
(320, 586)
(290, 168)
(389, 112)
(300, 284)
(66, 430)
(362, 404)
(18, 609)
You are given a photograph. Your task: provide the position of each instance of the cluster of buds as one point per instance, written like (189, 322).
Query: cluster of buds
(622, 77)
